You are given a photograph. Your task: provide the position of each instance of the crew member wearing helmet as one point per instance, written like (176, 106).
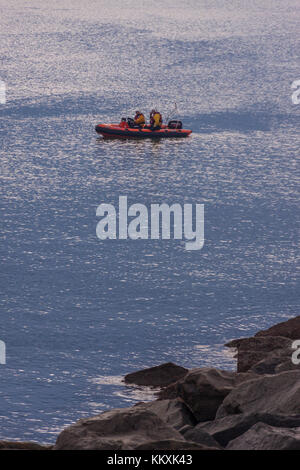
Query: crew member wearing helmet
(139, 119)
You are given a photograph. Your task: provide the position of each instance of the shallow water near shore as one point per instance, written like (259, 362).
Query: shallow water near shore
(77, 313)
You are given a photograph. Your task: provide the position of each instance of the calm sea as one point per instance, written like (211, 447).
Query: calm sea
(78, 313)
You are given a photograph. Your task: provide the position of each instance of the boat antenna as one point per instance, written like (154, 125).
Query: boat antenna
(172, 112)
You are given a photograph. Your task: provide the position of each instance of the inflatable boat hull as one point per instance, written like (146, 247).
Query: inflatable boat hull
(114, 131)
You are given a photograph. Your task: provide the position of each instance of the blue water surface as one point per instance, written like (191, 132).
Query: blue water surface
(78, 313)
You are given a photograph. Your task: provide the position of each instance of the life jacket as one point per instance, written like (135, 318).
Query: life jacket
(139, 119)
(157, 119)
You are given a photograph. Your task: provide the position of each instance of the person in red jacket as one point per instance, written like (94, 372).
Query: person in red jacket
(123, 123)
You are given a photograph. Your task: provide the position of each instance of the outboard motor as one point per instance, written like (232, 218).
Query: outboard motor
(175, 124)
(130, 122)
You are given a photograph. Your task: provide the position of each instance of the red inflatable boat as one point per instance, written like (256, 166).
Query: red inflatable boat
(173, 130)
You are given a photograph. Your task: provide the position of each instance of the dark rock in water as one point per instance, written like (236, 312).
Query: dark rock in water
(201, 437)
(173, 412)
(288, 329)
(203, 390)
(17, 445)
(226, 429)
(174, 445)
(275, 394)
(251, 351)
(261, 436)
(120, 429)
(158, 376)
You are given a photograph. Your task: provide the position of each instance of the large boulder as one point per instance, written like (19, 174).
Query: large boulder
(120, 429)
(288, 329)
(264, 437)
(275, 394)
(173, 412)
(201, 437)
(226, 429)
(174, 445)
(251, 351)
(203, 390)
(276, 362)
(158, 376)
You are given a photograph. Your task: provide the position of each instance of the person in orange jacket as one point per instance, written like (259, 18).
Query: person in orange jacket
(139, 119)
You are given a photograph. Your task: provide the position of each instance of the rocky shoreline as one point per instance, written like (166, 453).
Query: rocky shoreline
(255, 408)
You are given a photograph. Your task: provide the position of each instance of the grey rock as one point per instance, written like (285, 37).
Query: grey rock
(226, 429)
(158, 376)
(201, 437)
(173, 412)
(286, 365)
(276, 362)
(261, 350)
(275, 394)
(184, 429)
(203, 390)
(261, 436)
(173, 445)
(120, 429)
(288, 329)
